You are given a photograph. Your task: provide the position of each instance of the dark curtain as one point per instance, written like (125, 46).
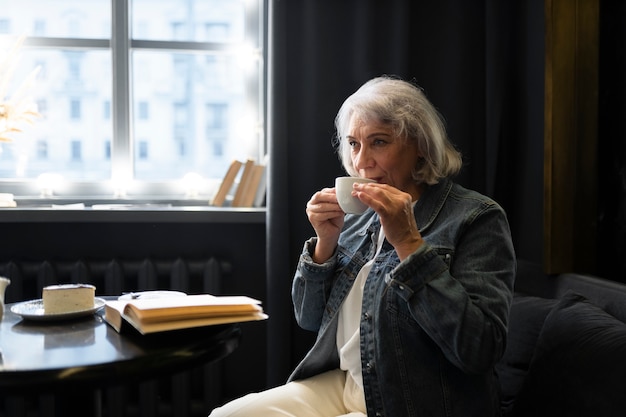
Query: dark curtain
(480, 63)
(612, 142)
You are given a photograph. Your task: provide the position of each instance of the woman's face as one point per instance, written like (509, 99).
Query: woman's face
(378, 154)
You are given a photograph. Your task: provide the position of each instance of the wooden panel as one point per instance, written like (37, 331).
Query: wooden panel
(571, 124)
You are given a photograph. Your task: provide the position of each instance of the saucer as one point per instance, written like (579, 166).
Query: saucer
(33, 310)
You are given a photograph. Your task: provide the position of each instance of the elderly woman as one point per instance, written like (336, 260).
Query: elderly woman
(410, 299)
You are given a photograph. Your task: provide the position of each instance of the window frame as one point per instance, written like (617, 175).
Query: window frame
(122, 143)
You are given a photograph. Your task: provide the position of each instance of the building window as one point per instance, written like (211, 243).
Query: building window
(216, 117)
(42, 105)
(106, 110)
(142, 151)
(180, 145)
(42, 149)
(218, 148)
(181, 115)
(152, 84)
(143, 110)
(75, 109)
(76, 151)
(216, 32)
(39, 27)
(5, 25)
(74, 65)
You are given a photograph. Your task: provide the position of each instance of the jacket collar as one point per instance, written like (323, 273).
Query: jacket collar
(430, 203)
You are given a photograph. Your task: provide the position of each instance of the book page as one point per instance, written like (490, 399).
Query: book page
(191, 306)
(162, 326)
(113, 312)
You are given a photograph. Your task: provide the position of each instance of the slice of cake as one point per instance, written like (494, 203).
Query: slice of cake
(68, 298)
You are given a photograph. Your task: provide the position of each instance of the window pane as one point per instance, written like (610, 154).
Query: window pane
(69, 135)
(189, 20)
(199, 119)
(87, 19)
(192, 102)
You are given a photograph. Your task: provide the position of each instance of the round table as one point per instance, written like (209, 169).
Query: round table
(86, 353)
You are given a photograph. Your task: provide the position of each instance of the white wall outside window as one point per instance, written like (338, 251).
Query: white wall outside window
(183, 92)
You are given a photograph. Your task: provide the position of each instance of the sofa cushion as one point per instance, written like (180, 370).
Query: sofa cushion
(578, 366)
(525, 322)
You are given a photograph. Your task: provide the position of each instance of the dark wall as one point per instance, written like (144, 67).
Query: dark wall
(70, 241)
(612, 142)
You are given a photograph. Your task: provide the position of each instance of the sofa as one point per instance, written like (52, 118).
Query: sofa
(566, 347)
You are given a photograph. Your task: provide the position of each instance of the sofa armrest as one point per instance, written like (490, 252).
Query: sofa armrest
(531, 280)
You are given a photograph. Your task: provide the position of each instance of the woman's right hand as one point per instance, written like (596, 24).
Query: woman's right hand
(326, 217)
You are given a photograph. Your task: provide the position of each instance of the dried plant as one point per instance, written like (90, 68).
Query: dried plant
(18, 109)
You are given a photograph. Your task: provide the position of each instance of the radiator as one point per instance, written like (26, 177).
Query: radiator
(189, 393)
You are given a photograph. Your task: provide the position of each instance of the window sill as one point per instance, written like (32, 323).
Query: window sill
(129, 212)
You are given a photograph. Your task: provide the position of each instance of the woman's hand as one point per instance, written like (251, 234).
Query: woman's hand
(395, 209)
(326, 217)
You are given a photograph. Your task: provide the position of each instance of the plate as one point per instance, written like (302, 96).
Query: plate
(33, 310)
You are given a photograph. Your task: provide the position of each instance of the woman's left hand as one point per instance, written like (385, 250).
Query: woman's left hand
(395, 209)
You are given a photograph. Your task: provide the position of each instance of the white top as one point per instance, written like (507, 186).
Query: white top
(348, 331)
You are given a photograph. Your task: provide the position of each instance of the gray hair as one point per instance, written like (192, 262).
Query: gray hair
(411, 115)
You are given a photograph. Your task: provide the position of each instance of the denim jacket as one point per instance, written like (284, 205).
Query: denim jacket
(432, 326)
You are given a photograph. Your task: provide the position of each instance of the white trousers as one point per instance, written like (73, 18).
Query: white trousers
(326, 395)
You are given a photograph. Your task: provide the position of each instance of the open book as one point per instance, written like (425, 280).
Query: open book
(151, 315)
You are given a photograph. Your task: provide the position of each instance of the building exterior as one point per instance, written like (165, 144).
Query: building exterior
(195, 74)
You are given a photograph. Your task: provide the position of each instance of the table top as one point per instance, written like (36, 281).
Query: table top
(85, 351)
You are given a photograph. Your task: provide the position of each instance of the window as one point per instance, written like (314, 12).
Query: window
(75, 109)
(106, 110)
(218, 148)
(143, 149)
(181, 146)
(42, 149)
(74, 63)
(217, 115)
(177, 87)
(76, 151)
(143, 113)
(39, 27)
(216, 32)
(42, 105)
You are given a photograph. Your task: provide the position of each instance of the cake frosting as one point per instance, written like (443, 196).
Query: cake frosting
(68, 298)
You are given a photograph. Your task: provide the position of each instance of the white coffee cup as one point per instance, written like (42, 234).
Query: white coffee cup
(348, 203)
